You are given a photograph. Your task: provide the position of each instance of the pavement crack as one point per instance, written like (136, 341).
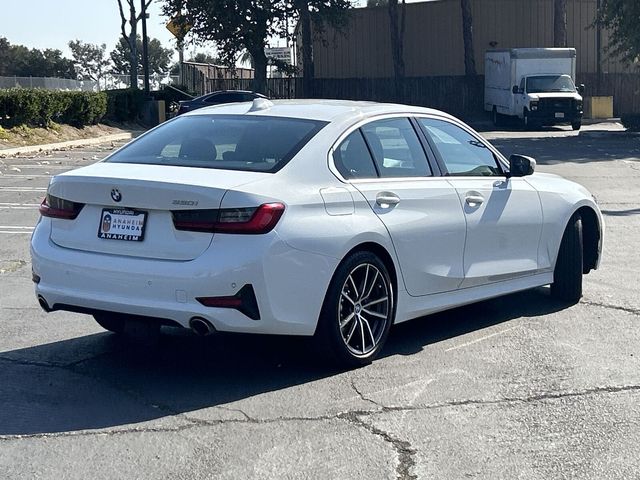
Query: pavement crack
(405, 452)
(633, 311)
(362, 396)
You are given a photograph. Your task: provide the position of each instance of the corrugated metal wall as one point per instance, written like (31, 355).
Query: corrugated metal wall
(433, 37)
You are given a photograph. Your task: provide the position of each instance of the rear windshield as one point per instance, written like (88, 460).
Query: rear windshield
(228, 142)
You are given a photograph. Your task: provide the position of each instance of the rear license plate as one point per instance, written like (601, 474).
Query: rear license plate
(559, 115)
(122, 224)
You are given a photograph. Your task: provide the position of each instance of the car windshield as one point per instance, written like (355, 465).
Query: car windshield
(550, 83)
(227, 142)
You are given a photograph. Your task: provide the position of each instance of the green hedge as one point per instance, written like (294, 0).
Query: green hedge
(631, 122)
(38, 108)
(124, 105)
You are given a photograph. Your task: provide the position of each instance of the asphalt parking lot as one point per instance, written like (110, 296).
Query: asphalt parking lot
(517, 387)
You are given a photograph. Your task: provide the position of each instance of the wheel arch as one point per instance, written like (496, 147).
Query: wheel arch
(591, 237)
(384, 256)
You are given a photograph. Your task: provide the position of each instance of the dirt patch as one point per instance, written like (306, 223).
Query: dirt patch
(24, 136)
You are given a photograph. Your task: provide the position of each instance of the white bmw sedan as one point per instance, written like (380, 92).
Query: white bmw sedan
(328, 218)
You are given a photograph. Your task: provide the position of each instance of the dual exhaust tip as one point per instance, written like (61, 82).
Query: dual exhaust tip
(201, 327)
(198, 325)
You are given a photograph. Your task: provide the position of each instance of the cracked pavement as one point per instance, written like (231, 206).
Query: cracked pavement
(516, 387)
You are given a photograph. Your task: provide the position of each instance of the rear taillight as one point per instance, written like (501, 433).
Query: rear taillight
(253, 220)
(55, 207)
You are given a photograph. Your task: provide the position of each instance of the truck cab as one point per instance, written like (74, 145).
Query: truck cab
(548, 99)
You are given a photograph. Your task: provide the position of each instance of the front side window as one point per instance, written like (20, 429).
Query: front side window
(396, 148)
(461, 152)
(227, 142)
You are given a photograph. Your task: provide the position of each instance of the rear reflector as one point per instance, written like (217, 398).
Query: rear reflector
(251, 221)
(244, 301)
(55, 207)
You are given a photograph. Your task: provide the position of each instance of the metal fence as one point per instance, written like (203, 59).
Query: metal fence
(108, 82)
(48, 83)
(156, 81)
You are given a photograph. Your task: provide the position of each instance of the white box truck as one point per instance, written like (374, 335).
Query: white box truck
(537, 85)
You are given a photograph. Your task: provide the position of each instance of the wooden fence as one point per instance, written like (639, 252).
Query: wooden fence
(458, 95)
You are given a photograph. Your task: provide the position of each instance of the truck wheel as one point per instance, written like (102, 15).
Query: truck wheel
(576, 125)
(526, 123)
(496, 117)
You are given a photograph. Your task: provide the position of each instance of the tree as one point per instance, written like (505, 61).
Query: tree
(89, 60)
(159, 57)
(24, 62)
(377, 3)
(202, 57)
(559, 23)
(621, 18)
(396, 29)
(131, 37)
(313, 17)
(238, 25)
(467, 37)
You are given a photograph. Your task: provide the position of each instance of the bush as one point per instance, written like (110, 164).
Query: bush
(124, 105)
(631, 122)
(39, 108)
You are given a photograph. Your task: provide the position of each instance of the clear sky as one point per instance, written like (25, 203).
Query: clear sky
(52, 23)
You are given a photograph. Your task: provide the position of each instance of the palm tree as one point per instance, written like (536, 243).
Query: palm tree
(467, 36)
(559, 23)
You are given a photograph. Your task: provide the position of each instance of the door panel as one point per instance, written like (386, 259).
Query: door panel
(503, 216)
(504, 222)
(427, 228)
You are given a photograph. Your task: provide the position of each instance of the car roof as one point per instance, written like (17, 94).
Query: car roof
(315, 109)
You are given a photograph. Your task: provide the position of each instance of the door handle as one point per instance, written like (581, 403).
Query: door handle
(387, 199)
(474, 200)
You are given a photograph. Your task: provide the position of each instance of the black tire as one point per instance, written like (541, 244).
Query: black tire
(576, 125)
(567, 274)
(496, 117)
(343, 300)
(528, 124)
(111, 321)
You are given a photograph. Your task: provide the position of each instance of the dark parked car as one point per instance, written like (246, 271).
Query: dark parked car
(216, 98)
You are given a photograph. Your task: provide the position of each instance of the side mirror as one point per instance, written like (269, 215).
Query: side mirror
(521, 166)
(515, 90)
(581, 89)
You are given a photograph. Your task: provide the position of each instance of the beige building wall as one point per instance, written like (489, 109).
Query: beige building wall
(433, 37)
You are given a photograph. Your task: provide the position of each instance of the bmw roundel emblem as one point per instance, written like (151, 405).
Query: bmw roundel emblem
(116, 195)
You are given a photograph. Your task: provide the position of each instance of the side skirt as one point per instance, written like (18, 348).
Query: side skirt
(412, 307)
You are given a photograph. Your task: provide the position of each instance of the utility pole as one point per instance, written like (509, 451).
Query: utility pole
(145, 48)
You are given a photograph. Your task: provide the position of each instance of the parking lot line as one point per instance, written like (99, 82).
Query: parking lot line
(11, 204)
(16, 229)
(23, 189)
(479, 339)
(26, 175)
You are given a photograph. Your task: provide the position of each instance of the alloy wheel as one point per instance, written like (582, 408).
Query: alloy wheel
(364, 308)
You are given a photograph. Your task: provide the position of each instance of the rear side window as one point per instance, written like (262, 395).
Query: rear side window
(352, 158)
(227, 142)
(396, 149)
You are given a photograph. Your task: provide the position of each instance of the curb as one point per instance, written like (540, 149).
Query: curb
(71, 143)
(609, 133)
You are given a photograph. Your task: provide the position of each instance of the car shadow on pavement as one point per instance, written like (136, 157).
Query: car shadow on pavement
(98, 381)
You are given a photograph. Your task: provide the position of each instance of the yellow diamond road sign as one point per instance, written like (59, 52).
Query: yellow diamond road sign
(179, 27)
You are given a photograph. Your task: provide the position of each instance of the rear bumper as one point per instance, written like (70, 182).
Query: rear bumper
(289, 284)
